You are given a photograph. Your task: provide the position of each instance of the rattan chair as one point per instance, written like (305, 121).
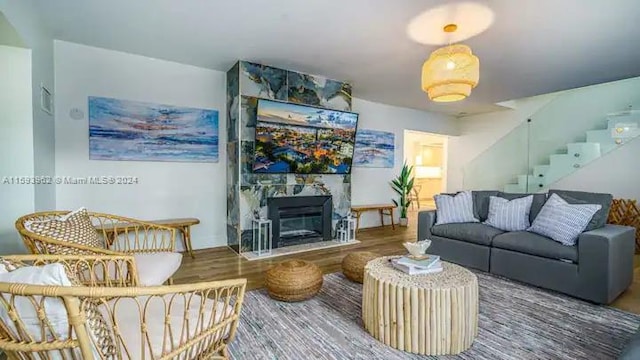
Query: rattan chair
(189, 321)
(151, 244)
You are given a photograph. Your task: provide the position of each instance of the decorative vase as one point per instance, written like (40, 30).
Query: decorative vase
(417, 249)
(404, 222)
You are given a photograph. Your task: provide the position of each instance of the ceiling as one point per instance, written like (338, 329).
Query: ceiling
(532, 47)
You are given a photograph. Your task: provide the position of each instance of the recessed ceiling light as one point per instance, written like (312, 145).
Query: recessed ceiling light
(472, 19)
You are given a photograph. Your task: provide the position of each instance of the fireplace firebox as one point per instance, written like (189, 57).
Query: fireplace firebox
(300, 219)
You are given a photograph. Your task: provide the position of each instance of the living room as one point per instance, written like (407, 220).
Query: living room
(244, 157)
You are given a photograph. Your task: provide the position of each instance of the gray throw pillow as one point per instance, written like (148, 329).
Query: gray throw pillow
(509, 215)
(454, 208)
(584, 197)
(561, 221)
(536, 205)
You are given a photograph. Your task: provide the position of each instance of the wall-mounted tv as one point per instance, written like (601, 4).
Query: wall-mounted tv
(300, 139)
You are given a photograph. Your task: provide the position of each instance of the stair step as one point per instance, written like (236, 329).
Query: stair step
(514, 189)
(522, 180)
(603, 137)
(560, 166)
(584, 152)
(540, 170)
(540, 176)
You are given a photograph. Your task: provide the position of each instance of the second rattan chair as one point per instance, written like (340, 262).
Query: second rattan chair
(152, 245)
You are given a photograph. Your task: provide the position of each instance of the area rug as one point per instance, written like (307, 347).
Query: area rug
(516, 322)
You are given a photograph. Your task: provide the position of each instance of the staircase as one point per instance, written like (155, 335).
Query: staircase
(622, 128)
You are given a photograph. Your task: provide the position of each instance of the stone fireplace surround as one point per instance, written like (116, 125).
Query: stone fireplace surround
(247, 192)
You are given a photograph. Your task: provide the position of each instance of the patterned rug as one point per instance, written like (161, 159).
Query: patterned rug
(516, 322)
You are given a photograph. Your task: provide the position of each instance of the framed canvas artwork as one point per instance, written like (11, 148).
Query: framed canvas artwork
(374, 149)
(132, 130)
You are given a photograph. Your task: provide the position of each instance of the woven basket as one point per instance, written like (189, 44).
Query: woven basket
(353, 264)
(293, 280)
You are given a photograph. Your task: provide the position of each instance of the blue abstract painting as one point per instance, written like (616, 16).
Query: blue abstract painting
(131, 130)
(374, 149)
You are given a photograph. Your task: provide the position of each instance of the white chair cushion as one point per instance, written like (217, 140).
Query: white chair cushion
(126, 312)
(156, 268)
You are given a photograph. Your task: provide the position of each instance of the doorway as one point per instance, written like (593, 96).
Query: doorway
(427, 153)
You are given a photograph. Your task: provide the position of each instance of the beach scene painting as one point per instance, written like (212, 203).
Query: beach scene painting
(374, 149)
(131, 130)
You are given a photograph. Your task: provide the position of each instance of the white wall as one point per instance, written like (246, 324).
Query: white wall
(184, 189)
(371, 185)
(165, 189)
(616, 173)
(24, 18)
(16, 144)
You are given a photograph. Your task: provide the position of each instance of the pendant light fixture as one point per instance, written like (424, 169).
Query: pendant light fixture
(450, 72)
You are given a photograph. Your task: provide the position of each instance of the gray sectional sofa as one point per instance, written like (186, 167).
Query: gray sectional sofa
(598, 268)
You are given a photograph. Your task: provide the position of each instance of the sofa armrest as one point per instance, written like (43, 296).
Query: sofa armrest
(605, 257)
(426, 220)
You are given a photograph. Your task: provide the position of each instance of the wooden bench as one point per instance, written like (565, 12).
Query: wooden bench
(182, 225)
(382, 209)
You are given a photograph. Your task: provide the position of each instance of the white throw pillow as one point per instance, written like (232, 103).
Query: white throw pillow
(456, 208)
(561, 221)
(50, 274)
(509, 215)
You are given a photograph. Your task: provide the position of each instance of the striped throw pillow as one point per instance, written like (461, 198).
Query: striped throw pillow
(509, 215)
(454, 208)
(561, 221)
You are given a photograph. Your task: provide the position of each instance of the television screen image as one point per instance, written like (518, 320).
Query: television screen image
(292, 138)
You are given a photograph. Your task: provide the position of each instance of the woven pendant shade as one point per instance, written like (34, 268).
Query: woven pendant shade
(450, 73)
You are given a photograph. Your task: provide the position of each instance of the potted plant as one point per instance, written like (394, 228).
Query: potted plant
(403, 184)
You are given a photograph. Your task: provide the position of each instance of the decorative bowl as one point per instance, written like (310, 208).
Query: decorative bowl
(418, 249)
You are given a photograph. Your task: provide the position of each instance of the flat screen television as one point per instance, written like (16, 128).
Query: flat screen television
(301, 139)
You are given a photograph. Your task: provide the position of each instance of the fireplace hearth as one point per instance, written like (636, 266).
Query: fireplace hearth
(300, 219)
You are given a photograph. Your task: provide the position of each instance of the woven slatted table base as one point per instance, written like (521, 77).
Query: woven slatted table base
(434, 314)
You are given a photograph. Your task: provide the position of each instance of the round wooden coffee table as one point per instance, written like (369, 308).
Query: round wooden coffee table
(433, 314)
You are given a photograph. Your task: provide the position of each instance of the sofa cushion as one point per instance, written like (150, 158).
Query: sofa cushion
(481, 203)
(509, 215)
(581, 197)
(472, 232)
(534, 244)
(536, 204)
(454, 209)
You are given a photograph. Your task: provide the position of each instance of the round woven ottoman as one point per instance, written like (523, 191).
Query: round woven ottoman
(293, 280)
(353, 264)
